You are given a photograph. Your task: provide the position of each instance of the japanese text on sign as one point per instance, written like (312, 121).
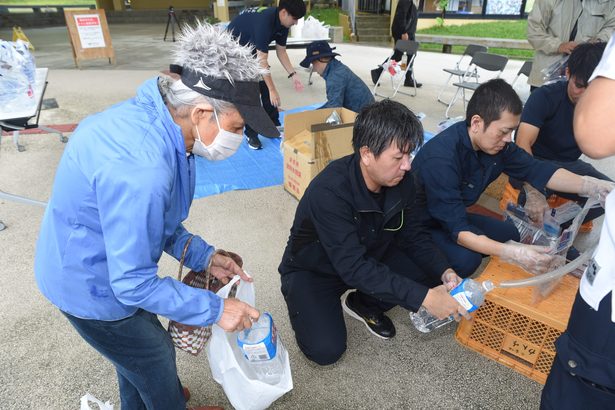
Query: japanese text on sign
(90, 31)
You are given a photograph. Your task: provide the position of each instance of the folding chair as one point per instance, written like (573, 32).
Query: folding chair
(485, 61)
(458, 71)
(524, 70)
(404, 47)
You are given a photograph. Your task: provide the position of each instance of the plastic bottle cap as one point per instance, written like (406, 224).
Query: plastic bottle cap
(488, 286)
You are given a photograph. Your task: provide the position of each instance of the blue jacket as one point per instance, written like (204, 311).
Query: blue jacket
(454, 175)
(122, 189)
(344, 88)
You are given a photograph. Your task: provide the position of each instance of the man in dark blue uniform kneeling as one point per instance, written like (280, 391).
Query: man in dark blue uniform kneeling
(360, 225)
(456, 166)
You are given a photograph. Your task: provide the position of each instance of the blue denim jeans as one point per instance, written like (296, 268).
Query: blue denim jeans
(144, 358)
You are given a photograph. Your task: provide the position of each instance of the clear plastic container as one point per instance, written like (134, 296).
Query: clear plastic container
(469, 294)
(259, 345)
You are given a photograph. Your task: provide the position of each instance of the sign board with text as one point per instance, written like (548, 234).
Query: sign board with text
(89, 35)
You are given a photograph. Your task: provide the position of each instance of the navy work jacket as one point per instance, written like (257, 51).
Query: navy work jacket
(340, 229)
(454, 175)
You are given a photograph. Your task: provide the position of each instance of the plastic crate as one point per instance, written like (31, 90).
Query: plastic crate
(511, 330)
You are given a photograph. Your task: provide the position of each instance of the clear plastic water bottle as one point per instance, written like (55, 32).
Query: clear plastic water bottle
(469, 294)
(259, 345)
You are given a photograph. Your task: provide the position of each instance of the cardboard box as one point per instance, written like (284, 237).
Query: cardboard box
(310, 144)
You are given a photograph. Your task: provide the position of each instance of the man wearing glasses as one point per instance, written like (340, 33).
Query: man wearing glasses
(360, 225)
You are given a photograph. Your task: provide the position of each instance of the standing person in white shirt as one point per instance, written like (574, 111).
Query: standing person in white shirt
(583, 372)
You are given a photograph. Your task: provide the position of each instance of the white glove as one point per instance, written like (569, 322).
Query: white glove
(535, 204)
(532, 258)
(594, 187)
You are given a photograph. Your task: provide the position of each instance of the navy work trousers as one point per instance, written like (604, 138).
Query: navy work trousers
(315, 311)
(272, 111)
(463, 260)
(583, 372)
(144, 358)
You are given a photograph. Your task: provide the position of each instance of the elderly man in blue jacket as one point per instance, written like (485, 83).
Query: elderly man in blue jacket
(344, 88)
(122, 189)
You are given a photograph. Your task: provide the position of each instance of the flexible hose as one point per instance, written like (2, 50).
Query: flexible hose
(554, 274)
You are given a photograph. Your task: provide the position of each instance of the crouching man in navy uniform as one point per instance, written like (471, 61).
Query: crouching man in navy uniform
(458, 164)
(360, 225)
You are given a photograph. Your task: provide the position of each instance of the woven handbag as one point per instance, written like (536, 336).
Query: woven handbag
(189, 338)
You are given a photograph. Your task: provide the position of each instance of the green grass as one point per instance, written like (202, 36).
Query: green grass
(46, 2)
(502, 29)
(327, 16)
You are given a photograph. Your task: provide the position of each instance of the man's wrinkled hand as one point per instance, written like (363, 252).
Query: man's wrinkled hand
(224, 268)
(237, 315)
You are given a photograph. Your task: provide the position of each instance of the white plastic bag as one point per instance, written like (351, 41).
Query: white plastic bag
(87, 398)
(314, 28)
(17, 75)
(230, 369)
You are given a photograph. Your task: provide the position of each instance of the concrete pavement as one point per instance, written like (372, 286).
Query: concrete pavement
(45, 364)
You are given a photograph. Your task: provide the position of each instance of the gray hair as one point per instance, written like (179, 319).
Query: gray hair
(212, 51)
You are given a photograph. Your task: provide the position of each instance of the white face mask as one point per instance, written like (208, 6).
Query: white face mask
(224, 145)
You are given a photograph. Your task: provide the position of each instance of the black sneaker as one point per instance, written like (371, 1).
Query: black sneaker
(410, 83)
(378, 324)
(254, 142)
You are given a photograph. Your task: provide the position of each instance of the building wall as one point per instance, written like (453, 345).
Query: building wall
(164, 4)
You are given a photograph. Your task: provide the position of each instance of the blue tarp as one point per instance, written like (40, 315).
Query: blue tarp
(248, 168)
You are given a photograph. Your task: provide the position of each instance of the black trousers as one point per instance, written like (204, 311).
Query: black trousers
(398, 55)
(583, 372)
(315, 311)
(269, 109)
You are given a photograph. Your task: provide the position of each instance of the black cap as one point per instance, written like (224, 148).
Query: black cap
(245, 95)
(316, 50)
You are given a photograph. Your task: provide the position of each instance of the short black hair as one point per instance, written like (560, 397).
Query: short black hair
(491, 99)
(383, 123)
(295, 8)
(584, 59)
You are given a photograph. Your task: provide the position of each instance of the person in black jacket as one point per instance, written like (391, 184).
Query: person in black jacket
(403, 28)
(360, 225)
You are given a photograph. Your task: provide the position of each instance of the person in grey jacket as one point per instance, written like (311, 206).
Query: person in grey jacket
(556, 27)
(344, 88)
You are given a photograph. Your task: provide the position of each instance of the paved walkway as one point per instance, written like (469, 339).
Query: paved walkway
(44, 364)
